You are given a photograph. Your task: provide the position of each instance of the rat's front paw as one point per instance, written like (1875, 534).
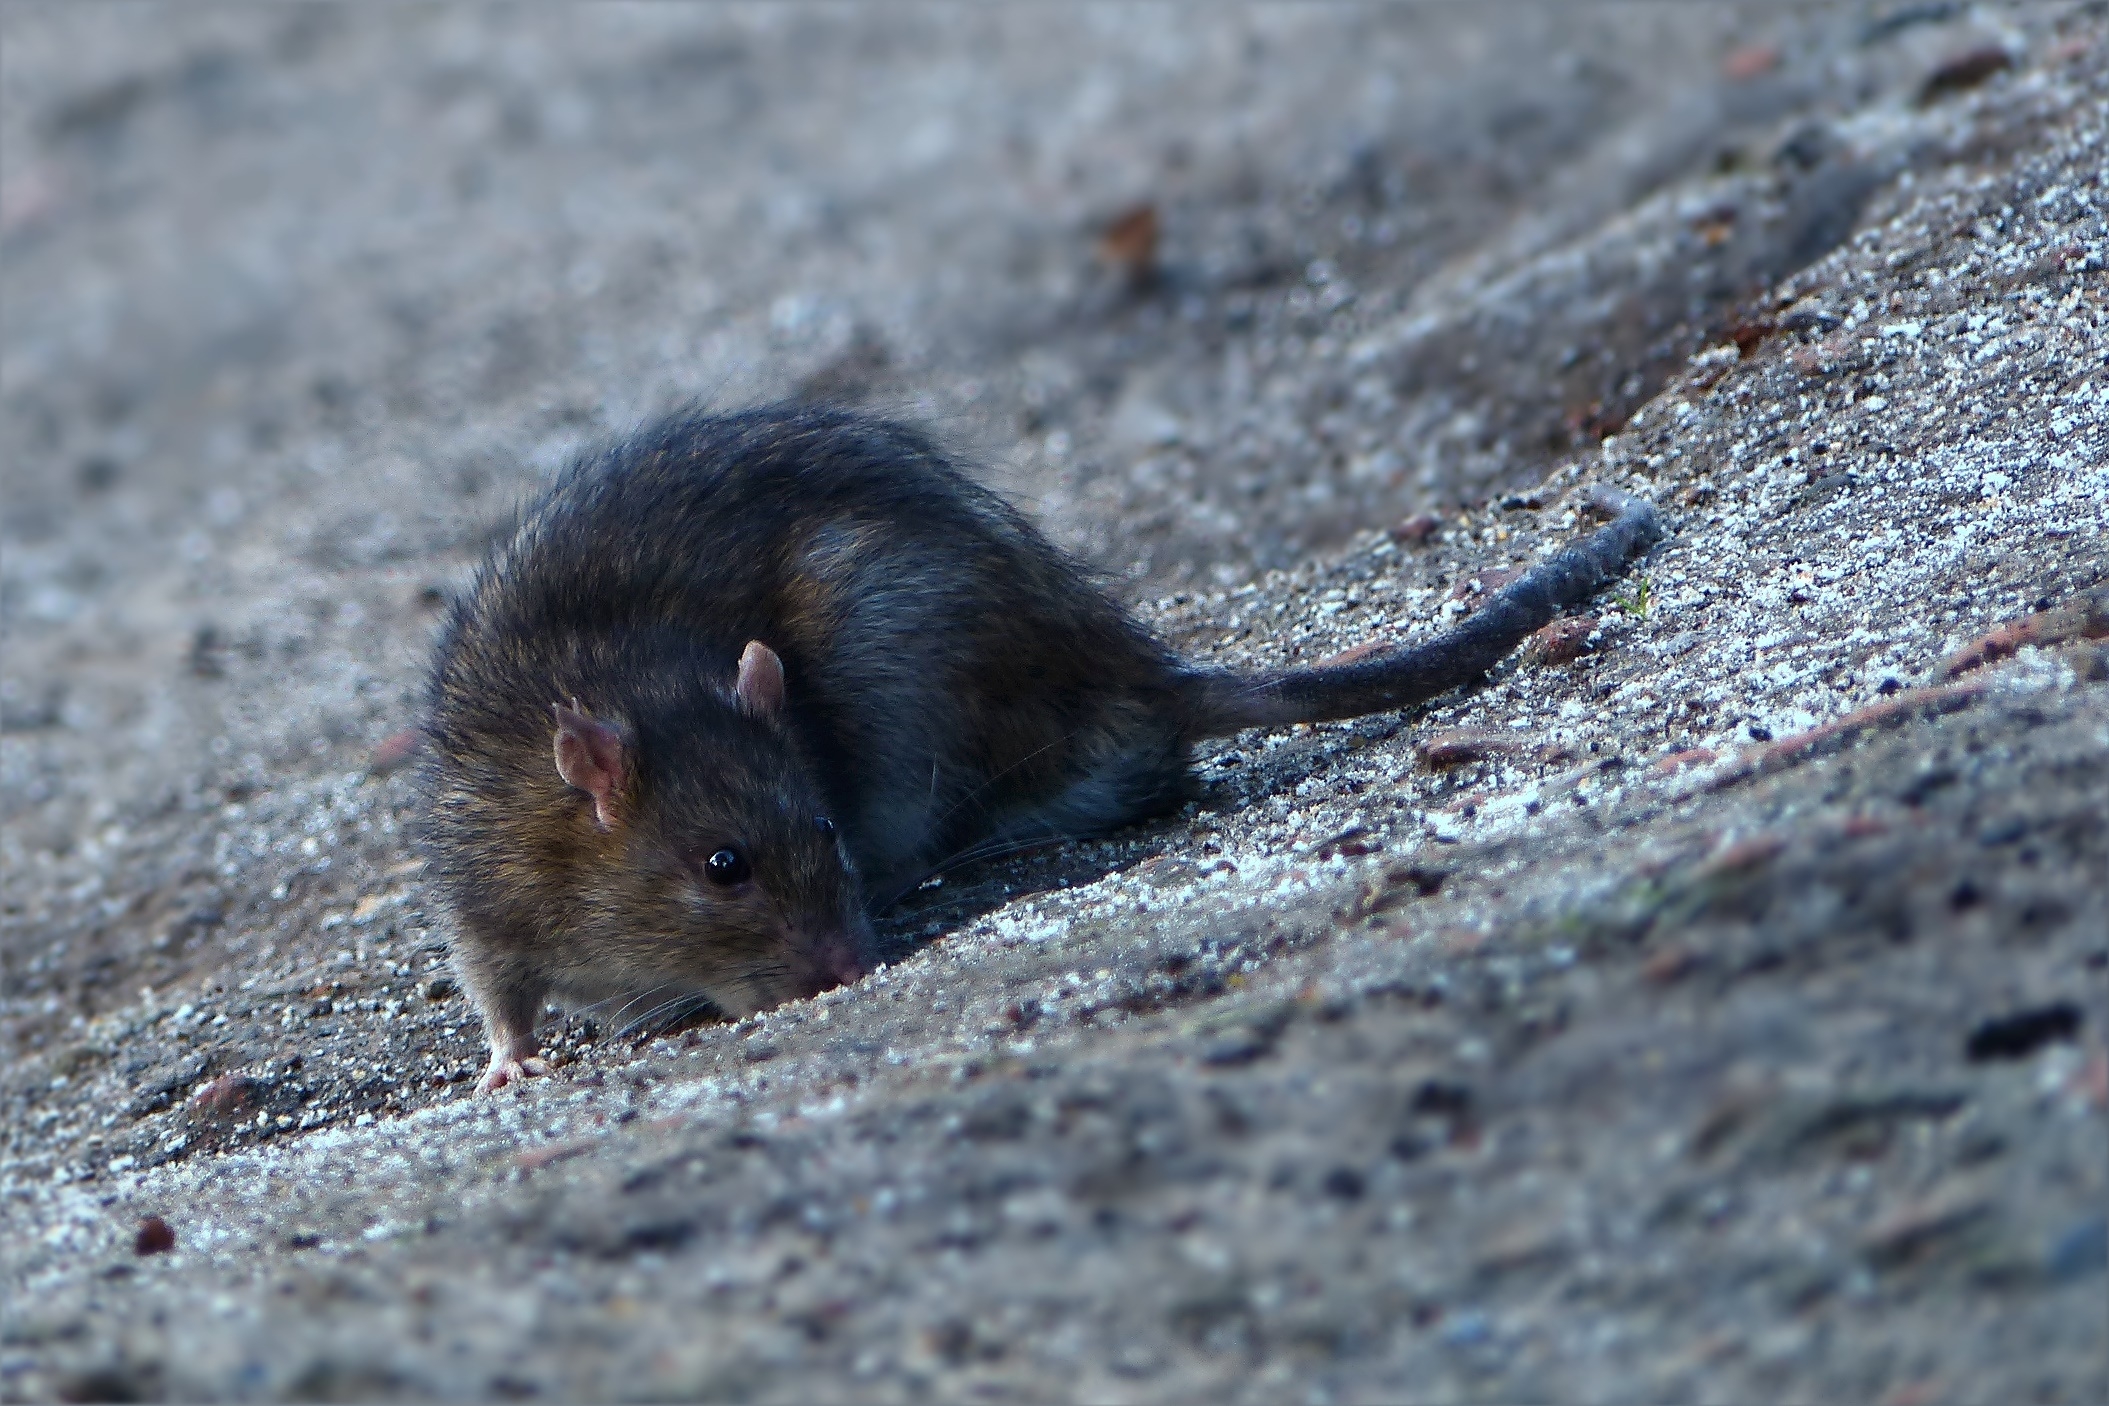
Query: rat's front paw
(509, 1069)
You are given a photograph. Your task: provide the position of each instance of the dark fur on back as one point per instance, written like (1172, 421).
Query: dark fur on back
(947, 668)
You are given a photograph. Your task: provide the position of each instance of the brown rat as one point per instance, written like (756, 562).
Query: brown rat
(740, 680)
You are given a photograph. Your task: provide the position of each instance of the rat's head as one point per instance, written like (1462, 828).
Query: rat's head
(711, 866)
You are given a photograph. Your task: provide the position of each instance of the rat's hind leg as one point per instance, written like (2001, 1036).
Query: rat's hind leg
(1122, 779)
(1122, 783)
(1103, 800)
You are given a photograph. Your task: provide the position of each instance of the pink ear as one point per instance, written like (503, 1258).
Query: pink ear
(590, 758)
(760, 688)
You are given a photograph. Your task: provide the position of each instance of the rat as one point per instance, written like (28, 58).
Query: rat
(739, 681)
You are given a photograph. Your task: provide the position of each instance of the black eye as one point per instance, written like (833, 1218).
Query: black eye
(824, 825)
(727, 866)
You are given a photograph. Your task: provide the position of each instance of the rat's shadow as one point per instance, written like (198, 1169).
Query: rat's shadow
(950, 901)
(1228, 778)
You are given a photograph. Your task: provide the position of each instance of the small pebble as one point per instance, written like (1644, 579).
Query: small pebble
(1965, 71)
(225, 1098)
(1561, 641)
(1467, 1329)
(155, 1237)
(1456, 746)
(1416, 529)
(2079, 1250)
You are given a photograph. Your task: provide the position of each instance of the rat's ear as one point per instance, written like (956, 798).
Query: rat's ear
(760, 688)
(591, 758)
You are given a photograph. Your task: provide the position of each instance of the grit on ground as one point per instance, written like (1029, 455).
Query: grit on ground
(1709, 1007)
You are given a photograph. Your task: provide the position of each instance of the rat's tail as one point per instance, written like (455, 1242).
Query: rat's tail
(1223, 703)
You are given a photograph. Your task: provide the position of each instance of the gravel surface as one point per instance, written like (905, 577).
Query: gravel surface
(1710, 1006)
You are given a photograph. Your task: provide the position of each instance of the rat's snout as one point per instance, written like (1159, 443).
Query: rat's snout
(844, 964)
(836, 958)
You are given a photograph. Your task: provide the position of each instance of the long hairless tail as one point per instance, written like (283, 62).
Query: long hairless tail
(1223, 703)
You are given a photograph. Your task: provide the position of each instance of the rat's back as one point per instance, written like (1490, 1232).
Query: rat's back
(952, 677)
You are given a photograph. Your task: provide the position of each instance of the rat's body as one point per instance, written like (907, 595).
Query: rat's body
(741, 678)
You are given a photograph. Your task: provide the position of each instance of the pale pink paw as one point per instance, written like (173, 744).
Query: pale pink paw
(509, 1071)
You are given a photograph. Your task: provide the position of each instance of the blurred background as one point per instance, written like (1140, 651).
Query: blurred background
(301, 301)
(1691, 1095)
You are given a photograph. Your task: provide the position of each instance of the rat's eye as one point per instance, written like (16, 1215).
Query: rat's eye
(825, 826)
(727, 866)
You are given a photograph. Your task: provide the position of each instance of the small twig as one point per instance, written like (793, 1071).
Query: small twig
(1912, 703)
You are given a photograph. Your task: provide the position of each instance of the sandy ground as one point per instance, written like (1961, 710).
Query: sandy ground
(1716, 1016)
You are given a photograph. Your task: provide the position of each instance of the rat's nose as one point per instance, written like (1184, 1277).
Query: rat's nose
(845, 960)
(837, 959)
(846, 967)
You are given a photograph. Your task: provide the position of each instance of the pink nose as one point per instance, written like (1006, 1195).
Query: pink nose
(840, 960)
(844, 963)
